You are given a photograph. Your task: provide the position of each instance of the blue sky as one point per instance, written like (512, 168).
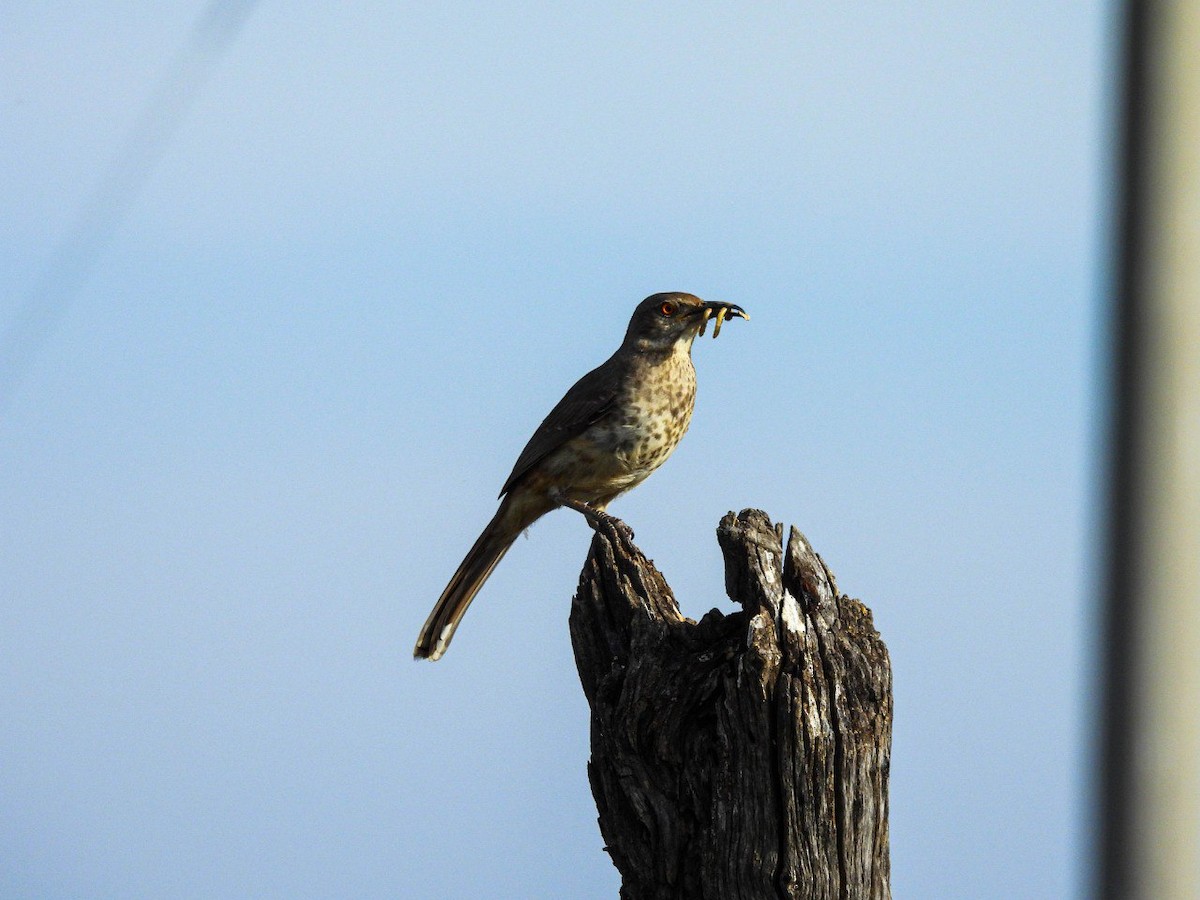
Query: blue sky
(379, 247)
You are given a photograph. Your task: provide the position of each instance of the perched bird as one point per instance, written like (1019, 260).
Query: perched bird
(614, 427)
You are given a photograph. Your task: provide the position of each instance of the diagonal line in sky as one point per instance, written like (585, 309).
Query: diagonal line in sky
(42, 308)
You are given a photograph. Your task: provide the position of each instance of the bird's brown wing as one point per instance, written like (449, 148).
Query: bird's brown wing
(588, 400)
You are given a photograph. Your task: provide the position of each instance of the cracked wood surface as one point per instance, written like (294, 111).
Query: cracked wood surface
(744, 756)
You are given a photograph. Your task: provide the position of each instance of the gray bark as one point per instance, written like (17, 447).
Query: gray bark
(744, 756)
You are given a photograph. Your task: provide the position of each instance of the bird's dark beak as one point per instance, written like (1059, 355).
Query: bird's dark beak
(722, 311)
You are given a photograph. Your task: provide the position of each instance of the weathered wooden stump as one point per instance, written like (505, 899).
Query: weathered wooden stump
(744, 756)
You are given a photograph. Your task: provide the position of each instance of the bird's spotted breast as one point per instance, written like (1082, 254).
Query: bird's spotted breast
(646, 422)
(656, 413)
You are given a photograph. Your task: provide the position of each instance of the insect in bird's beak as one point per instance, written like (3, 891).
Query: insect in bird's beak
(724, 310)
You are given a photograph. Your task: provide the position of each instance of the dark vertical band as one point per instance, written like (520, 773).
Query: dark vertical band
(1122, 620)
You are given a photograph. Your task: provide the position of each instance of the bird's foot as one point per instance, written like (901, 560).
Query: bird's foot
(599, 519)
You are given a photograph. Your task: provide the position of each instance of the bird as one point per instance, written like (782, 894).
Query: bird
(609, 432)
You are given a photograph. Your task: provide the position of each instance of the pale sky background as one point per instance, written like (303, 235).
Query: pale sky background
(381, 244)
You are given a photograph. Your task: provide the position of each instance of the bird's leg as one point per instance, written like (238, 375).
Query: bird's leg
(597, 518)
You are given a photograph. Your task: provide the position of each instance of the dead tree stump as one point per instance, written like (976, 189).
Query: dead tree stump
(744, 756)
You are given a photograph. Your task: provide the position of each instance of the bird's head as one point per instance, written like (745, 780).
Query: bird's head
(662, 321)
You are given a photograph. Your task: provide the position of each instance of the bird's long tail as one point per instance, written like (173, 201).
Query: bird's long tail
(482, 558)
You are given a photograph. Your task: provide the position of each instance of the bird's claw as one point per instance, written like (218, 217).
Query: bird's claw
(600, 520)
(617, 527)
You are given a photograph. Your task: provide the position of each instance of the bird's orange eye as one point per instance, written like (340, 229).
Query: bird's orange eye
(667, 309)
